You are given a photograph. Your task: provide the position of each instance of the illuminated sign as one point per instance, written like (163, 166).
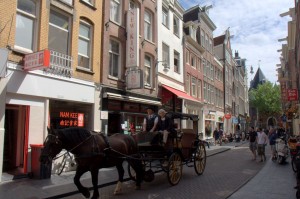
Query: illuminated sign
(37, 60)
(71, 119)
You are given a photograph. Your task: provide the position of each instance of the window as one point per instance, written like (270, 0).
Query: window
(210, 45)
(70, 2)
(176, 62)
(206, 41)
(148, 26)
(114, 58)
(193, 61)
(188, 84)
(194, 87)
(25, 24)
(166, 55)
(165, 17)
(59, 35)
(187, 58)
(84, 45)
(148, 73)
(176, 25)
(91, 2)
(199, 89)
(115, 11)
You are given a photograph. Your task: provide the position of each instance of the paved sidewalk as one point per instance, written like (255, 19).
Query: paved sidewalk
(274, 181)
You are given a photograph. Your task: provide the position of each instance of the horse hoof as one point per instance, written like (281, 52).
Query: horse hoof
(137, 187)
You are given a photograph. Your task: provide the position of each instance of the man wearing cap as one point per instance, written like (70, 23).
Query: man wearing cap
(150, 121)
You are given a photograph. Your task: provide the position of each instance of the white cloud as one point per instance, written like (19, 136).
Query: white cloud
(256, 26)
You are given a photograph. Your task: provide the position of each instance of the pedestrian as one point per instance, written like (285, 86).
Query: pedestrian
(272, 141)
(221, 135)
(150, 121)
(216, 135)
(262, 140)
(253, 142)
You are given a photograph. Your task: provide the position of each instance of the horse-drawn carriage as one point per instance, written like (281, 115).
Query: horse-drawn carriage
(94, 150)
(182, 148)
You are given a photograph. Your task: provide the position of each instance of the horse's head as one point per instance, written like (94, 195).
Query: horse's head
(52, 146)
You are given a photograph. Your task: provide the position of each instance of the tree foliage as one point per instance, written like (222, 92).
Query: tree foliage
(266, 98)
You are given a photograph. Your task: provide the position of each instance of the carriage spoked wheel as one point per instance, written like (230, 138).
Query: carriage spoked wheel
(200, 159)
(174, 171)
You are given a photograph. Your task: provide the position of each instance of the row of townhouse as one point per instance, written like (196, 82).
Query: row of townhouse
(99, 64)
(288, 71)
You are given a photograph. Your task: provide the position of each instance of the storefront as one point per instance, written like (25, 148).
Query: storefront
(124, 112)
(34, 101)
(210, 124)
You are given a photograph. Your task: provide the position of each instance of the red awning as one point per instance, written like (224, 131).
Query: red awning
(180, 94)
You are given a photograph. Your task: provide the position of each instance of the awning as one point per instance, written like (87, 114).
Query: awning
(180, 94)
(130, 99)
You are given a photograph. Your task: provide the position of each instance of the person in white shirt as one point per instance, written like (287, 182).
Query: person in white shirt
(150, 121)
(262, 140)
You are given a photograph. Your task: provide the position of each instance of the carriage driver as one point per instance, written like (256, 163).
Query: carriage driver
(150, 121)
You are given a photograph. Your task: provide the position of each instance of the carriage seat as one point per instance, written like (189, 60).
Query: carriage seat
(188, 137)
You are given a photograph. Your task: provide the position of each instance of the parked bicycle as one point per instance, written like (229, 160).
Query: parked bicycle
(66, 160)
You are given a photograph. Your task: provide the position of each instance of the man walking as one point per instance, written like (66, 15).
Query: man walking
(262, 140)
(253, 142)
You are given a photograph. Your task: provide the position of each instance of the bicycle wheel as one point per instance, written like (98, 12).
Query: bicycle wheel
(62, 164)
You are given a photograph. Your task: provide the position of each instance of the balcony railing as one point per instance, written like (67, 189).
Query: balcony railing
(60, 64)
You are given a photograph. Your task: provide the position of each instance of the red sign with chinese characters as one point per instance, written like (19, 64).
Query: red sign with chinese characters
(292, 94)
(71, 119)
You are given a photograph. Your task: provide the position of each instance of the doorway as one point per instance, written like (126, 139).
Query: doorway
(114, 123)
(15, 139)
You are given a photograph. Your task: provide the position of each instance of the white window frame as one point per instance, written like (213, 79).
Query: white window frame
(165, 17)
(176, 27)
(34, 18)
(166, 55)
(199, 89)
(177, 54)
(89, 40)
(148, 24)
(119, 59)
(194, 86)
(90, 2)
(148, 68)
(119, 10)
(69, 28)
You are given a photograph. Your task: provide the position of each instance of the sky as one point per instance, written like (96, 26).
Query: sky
(256, 27)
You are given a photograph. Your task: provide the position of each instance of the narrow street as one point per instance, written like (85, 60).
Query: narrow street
(224, 174)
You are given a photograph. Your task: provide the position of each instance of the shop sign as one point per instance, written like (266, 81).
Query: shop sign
(134, 79)
(132, 36)
(69, 119)
(37, 60)
(292, 94)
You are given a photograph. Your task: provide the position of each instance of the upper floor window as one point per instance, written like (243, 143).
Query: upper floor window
(202, 38)
(193, 61)
(165, 17)
(59, 32)
(210, 45)
(114, 58)
(187, 58)
(188, 84)
(26, 25)
(166, 55)
(199, 89)
(84, 45)
(176, 62)
(70, 2)
(91, 2)
(148, 26)
(176, 25)
(148, 73)
(194, 86)
(115, 11)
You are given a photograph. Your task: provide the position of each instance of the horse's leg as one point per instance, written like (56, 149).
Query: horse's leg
(121, 175)
(79, 171)
(137, 165)
(94, 173)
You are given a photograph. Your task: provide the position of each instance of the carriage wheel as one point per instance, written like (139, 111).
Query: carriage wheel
(174, 169)
(200, 159)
